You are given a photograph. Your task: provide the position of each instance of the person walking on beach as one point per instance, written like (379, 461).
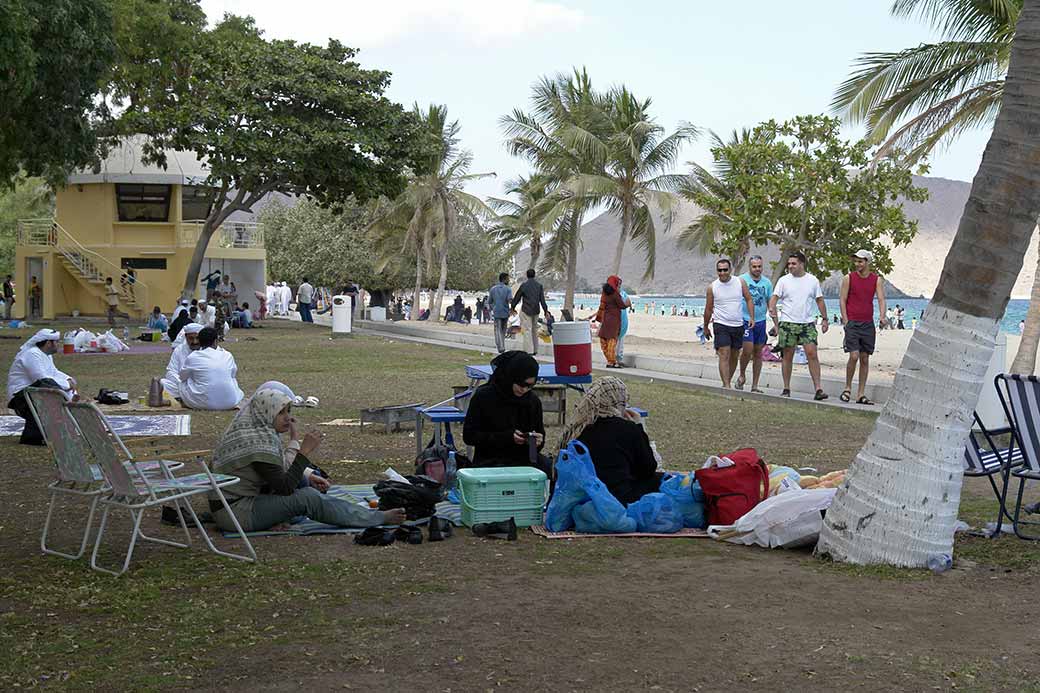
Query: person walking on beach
(531, 297)
(498, 299)
(899, 317)
(724, 301)
(754, 329)
(795, 325)
(620, 351)
(856, 301)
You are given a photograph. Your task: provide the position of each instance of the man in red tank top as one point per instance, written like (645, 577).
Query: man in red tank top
(858, 290)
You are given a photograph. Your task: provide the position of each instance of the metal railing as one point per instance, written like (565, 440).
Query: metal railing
(230, 234)
(89, 264)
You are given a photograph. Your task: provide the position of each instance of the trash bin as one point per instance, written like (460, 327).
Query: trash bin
(341, 317)
(377, 314)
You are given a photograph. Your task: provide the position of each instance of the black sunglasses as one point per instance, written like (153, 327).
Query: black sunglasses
(721, 270)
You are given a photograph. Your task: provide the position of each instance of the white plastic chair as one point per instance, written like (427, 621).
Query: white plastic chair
(140, 492)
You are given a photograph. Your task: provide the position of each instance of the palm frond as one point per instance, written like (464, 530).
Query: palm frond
(966, 20)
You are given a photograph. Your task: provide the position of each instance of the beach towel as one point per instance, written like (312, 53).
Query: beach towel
(359, 493)
(124, 426)
(686, 533)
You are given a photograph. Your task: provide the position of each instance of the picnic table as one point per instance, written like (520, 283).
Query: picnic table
(546, 374)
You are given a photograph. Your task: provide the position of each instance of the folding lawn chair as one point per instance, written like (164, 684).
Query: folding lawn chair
(76, 476)
(139, 492)
(1020, 398)
(991, 459)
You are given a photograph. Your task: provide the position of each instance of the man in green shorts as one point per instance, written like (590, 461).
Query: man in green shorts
(796, 292)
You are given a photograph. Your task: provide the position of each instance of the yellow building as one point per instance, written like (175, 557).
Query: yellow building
(138, 224)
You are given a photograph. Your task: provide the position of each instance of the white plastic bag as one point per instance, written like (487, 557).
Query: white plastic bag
(109, 342)
(83, 339)
(784, 521)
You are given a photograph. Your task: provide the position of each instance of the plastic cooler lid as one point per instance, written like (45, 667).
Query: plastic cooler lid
(479, 474)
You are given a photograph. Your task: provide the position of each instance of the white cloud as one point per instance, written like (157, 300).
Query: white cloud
(368, 24)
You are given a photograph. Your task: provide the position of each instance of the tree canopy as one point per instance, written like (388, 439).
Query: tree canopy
(798, 186)
(56, 56)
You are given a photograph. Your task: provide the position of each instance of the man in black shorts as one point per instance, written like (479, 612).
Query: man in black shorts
(725, 299)
(859, 289)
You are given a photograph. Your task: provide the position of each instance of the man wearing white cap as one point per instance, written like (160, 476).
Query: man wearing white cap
(34, 367)
(858, 290)
(187, 341)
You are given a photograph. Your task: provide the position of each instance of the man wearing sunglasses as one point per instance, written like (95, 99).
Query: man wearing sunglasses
(726, 299)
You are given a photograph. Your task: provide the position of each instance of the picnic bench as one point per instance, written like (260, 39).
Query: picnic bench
(390, 417)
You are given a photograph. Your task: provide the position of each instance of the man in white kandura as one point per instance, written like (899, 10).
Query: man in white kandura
(187, 341)
(34, 367)
(208, 375)
(207, 315)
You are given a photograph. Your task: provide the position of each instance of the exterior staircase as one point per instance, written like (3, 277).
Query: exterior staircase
(90, 268)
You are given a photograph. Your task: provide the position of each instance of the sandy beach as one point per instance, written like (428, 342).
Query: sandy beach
(675, 337)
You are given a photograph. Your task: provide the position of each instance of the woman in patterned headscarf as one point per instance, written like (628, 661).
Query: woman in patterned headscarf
(272, 487)
(617, 441)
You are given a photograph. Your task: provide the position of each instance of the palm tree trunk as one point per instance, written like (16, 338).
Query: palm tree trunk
(572, 261)
(416, 306)
(1025, 358)
(900, 501)
(449, 230)
(535, 252)
(626, 230)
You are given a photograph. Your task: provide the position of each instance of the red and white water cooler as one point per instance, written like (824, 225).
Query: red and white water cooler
(572, 348)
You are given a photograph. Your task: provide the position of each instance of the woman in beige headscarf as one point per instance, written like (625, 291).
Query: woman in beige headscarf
(617, 441)
(270, 490)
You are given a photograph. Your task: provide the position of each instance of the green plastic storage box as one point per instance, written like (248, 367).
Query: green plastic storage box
(490, 494)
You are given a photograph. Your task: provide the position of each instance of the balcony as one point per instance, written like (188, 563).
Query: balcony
(231, 234)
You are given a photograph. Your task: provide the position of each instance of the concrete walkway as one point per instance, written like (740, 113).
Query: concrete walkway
(692, 374)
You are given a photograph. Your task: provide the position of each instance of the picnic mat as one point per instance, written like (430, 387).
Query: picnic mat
(140, 405)
(359, 493)
(684, 533)
(125, 426)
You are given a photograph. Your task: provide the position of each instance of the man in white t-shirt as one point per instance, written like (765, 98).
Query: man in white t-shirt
(796, 292)
(208, 375)
(304, 297)
(725, 300)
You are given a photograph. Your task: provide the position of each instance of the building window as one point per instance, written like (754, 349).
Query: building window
(196, 202)
(143, 202)
(140, 263)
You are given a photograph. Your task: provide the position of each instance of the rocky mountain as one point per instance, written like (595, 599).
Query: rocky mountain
(916, 270)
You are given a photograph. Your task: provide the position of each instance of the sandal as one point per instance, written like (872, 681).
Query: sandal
(846, 395)
(785, 393)
(311, 402)
(820, 395)
(757, 391)
(864, 400)
(740, 382)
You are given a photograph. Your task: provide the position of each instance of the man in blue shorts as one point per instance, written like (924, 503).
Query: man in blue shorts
(723, 301)
(754, 332)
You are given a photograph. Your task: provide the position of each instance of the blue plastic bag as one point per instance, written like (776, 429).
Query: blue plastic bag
(602, 513)
(655, 513)
(687, 499)
(573, 469)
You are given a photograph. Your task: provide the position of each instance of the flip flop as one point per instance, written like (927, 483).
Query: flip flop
(820, 395)
(757, 391)
(846, 395)
(741, 382)
(785, 393)
(864, 400)
(311, 402)
(297, 401)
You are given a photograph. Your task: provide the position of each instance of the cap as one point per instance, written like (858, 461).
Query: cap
(864, 255)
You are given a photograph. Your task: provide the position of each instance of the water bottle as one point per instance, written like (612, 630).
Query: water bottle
(126, 334)
(450, 470)
(940, 562)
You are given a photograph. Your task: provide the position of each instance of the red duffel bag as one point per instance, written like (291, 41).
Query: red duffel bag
(733, 490)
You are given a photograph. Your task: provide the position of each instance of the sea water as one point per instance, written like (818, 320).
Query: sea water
(662, 305)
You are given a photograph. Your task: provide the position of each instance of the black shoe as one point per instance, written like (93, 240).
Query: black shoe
(409, 534)
(169, 517)
(375, 536)
(440, 529)
(505, 529)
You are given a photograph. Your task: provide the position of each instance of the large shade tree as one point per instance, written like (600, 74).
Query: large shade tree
(271, 116)
(900, 502)
(55, 56)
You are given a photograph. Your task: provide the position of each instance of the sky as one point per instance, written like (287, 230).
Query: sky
(719, 66)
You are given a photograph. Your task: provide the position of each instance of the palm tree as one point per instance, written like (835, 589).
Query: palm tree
(917, 100)
(900, 501)
(520, 221)
(561, 137)
(704, 233)
(634, 179)
(423, 217)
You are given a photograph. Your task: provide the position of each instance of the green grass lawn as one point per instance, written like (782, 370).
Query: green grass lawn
(470, 614)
